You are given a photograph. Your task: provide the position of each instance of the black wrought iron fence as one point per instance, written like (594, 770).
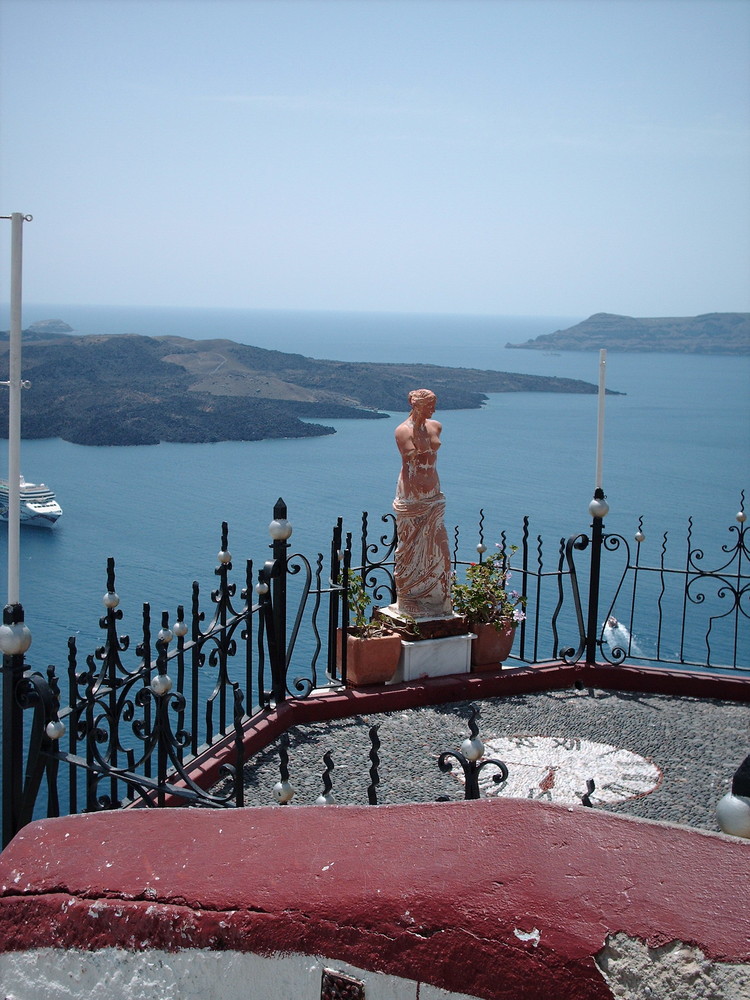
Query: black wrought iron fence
(114, 733)
(125, 732)
(692, 613)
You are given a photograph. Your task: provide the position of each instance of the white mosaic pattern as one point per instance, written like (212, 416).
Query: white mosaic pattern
(556, 769)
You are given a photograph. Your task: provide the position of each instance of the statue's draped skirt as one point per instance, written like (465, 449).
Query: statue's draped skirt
(422, 569)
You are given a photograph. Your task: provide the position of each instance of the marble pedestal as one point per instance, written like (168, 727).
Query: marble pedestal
(434, 658)
(430, 647)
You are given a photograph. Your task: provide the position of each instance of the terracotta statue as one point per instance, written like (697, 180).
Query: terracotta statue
(422, 570)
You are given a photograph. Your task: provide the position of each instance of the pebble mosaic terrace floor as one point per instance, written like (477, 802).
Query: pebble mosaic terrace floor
(695, 745)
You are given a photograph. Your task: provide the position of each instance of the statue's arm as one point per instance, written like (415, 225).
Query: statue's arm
(405, 442)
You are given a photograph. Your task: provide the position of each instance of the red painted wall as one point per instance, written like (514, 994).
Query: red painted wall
(437, 893)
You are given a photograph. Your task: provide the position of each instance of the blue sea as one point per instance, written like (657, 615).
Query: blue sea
(676, 445)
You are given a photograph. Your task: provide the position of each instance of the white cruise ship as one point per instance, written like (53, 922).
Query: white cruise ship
(38, 504)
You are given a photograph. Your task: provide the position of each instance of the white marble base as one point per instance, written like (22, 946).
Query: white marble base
(434, 658)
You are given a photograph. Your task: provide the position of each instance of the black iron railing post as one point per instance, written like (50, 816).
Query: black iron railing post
(15, 639)
(525, 585)
(598, 508)
(280, 530)
(161, 685)
(345, 579)
(337, 556)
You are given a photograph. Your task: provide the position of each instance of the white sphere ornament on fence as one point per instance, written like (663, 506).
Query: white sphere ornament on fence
(472, 749)
(283, 792)
(280, 529)
(640, 537)
(110, 599)
(733, 815)
(14, 639)
(741, 516)
(325, 799)
(165, 635)
(598, 508)
(733, 810)
(161, 684)
(224, 557)
(55, 730)
(261, 588)
(481, 548)
(180, 629)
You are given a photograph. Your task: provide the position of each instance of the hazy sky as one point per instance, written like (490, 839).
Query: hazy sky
(501, 156)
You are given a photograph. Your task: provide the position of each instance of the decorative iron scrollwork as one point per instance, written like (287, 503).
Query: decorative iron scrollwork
(471, 762)
(326, 796)
(372, 788)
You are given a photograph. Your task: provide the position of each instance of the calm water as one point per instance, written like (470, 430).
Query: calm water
(676, 445)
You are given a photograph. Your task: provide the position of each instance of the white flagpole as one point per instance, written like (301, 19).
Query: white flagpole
(600, 418)
(14, 410)
(15, 384)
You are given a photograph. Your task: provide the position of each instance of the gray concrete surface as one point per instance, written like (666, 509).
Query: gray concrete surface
(695, 745)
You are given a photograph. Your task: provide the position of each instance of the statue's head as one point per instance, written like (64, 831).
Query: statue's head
(420, 398)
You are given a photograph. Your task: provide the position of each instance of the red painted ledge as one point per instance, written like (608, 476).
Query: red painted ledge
(497, 899)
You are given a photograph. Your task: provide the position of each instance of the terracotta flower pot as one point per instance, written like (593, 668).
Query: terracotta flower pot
(369, 661)
(490, 647)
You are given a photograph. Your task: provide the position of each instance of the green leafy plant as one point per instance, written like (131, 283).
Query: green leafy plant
(359, 601)
(363, 627)
(484, 598)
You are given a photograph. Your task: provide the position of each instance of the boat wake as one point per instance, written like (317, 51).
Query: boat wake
(617, 636)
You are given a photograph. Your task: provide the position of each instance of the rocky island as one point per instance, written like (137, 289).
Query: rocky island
(127, 389)
(712, 333)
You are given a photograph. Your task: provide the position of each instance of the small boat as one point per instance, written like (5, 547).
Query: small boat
(38, 504)
(612, 622)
